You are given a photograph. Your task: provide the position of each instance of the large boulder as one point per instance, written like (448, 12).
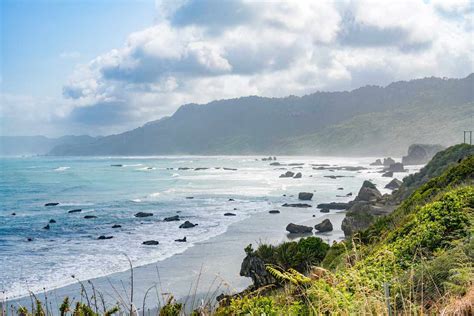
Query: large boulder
(287, 174)
(419, 154)
(388, 161)
(394, 184)
(396, 167)
(187, 224)
(368, 192)
(305, 196)
(358, 217)
(296, 205)
(151, 242)
(254, 267)
(324, 226)
(377, 162)
(298, 229)
(333, 206)
(298, 176)
(143, 214)
(171, 218)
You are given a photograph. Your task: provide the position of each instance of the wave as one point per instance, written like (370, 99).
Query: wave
(61, 168)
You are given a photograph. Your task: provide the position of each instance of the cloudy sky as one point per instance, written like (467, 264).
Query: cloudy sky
(104, 66)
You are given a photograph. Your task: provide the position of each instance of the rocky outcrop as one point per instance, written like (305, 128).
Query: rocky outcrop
(103, 237)
(377, 162)
(229, 214)
(305, 196)
(151, 243)
(171, 218)
(388, 174)
(333, 206)
(187, 224)
(358, 217)
(52, 221)
(368, 192)
(180, 239)
(324, 226)
(143, 214)
(51, 204)
(90, 216)
(298, 229)
(396, 167)
(296, 205)
(325, 210)
(77, 210)
(254, 267)
(388, 161)
(394, 184)
(274, 212)
(116, 226)
(419, 154)
(298, 176)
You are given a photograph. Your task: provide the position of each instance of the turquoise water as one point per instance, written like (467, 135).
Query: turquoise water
(33, 258)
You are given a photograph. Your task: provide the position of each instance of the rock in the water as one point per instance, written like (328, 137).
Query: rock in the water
(274, 212)
(298, 175)
(90, 216)
(388, 174)
(396, 167)
(51, 204)
(172, 218)
(394, 184)
(325, 210)
(187, 224)
(324, 226)
(305, 196)
(13, 214)
(52, 221)
(231, 200)
(333, 206)
(116, 226)
(254, 267)
(143, 214)
(358, 217)
(388, 161)
(77, 210)
(275, 164)
(298, 229)
(230, 169)
(377, 162)
(29, 239)
(181, 239)
(340, 189)
(102, 237)
(116, 165)
(229, 214)
(190, 197)
(419, 154)
(349, 194)
(368, 192)
(287, 174)
(151, 243)
(46, 227)
(296, 205)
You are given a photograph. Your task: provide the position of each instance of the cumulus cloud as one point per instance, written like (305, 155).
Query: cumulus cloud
(199, 51)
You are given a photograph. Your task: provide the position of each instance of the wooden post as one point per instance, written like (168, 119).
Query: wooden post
(386, 287)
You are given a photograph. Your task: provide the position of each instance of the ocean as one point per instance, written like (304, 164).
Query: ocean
(114, 189)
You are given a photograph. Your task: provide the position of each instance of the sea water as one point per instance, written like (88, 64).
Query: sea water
(33, 258)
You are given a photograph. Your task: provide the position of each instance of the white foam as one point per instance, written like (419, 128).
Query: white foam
(62, 168)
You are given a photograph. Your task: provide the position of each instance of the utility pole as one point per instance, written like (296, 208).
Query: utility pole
(468, 137)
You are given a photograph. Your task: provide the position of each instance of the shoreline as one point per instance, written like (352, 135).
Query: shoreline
(212, 266)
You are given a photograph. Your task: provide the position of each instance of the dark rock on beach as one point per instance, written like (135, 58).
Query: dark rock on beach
(187, 224)
(394, 184)
(51, 204)
(231, 200)
(229, 214)
(334, 206)
(116, 226)
(46, 227)
(78, 210)
(90, 216)
(143, 214)
(181, 239)
(254, 267)
(151, 243)
(190, 197)
(324, 226)
(298, 176)
(325, 210)
(102, 237)
(172, 218)
(305, 196)
(230, 169)
(274, 212)
(287, 174)
(52, 221)
(298, 229)
(296, 205)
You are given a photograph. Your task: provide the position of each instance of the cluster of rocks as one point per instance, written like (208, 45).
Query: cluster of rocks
(269, 158)
(419, 154)
(290, 174)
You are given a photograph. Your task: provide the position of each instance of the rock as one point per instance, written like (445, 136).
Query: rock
(197, 169)
(334, 205)
(78, 210)
(324, 226)
(102, 237)
(340, 188)
(117, 226)
(388, 174)
(187, 224)
(377, 162)
(13, 214)
(149, 168)
(231, 200)
(396, 167)
(230, 169)
(52, 221)
(298, 229)
(254, 267)
(181, 239)
(172, 218)
(90, 216)
(358, 217)
(151, 243)
(143, 214)
(388, 161)
(394, 184)
(229, 214)
(274, 212)
(29, 239)
(298, 176)
(190, 197)
(419, 154)
(183, 168)
(331, 177)
(51, 204)
(324, 210)
(296, 205)
(116, 165)
(368, 192)
(287, 174)
(296, 164)
(305, 196)
(46, 227)
(275, 164)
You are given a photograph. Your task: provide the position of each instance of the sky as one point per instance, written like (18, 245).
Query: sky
(99, 67)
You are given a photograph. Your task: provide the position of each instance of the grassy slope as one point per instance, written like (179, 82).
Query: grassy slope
(425, 252)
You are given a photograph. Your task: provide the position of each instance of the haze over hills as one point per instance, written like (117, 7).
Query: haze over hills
(368, 120)
(37, 145)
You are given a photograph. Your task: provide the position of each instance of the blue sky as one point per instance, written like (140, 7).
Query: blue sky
(104, 66)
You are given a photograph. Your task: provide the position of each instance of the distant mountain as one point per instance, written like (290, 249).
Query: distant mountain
(37, 145)
(368, 120)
